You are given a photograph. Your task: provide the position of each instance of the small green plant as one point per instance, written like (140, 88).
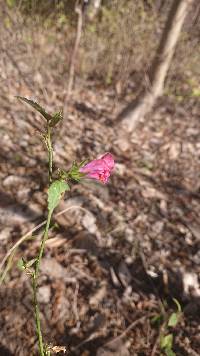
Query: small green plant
(57, 187)
(166, 323)
(59, 182)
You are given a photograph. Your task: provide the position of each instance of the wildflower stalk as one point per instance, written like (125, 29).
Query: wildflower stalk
(99, 169)
(35, 285)
(57, 188)
(37, 264)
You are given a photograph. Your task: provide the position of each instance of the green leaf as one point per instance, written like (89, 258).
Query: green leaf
(166, 341)
(173, 319)
(57, 117)
(21, 264)
(37, 107)
(55, 192)
(74, 172)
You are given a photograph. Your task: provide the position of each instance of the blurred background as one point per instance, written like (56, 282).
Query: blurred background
(111, 267)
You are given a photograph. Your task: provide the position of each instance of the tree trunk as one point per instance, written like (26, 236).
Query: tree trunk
(144, 103)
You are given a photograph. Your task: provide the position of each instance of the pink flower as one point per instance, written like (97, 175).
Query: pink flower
(99, 169)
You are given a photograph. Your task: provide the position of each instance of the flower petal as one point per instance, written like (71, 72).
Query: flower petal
(108, 158)
(99, 169)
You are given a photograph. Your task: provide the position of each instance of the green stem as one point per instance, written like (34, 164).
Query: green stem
(37, 316)
(35, 285)
(45, 237)
(50, 152)
(41, 251)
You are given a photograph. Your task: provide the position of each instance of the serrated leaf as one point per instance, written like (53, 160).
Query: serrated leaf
(37, 107)
(166, 341)
(173, 319)
(57, 117)
(55, 192)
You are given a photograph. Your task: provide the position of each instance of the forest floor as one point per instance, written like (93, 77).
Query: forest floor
(114, 264)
